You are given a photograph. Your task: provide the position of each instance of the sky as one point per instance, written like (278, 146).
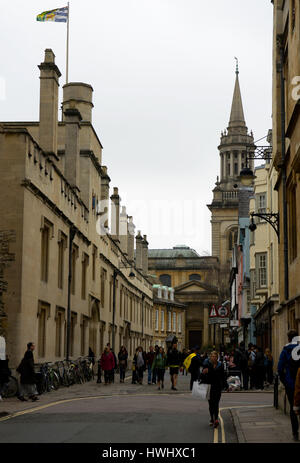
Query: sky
(163, 74)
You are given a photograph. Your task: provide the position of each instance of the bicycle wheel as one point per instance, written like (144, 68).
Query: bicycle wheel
(54, 381)
(10, 389)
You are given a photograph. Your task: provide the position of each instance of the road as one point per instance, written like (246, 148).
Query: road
(127, 414)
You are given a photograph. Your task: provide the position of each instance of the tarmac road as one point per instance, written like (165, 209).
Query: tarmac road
(126, 414)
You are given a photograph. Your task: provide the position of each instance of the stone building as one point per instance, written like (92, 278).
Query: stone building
(168, 317)
(286, 148)
(69, 265)
(195, 282)
(235, 143)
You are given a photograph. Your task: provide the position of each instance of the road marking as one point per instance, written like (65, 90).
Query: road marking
(216, 436)
(60, 402)
(222, 429)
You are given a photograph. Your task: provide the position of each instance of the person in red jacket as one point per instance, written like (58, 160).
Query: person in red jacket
(107, 362)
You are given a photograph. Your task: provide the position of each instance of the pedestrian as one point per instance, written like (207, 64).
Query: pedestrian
(268, 364)
(195, 365)
(99, 372)
(156, 349)
(5, 373)
(213, 374)
(184, 354)
(134, 372)
(28, 377)
(251, 359)
(159, 363)
(107, 364)
(259, 368)
(287, 370)
(91, 356)
(112, 373)
(297, 394)
(150, 357)
(174, 363)
(140, 362)
(122, 357)
(241, 362)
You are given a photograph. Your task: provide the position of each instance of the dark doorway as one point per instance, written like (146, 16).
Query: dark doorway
(195, 339)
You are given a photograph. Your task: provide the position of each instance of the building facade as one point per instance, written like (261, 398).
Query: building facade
(168, 317)
(286, 147)
(195, 282)
(72, 273)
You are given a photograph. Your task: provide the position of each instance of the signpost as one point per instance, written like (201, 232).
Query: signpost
(219, 316)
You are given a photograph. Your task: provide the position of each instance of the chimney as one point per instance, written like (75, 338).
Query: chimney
(80, 96)
(130, 239)
(49, 83)
(115, 214)
(104, 198)
(124, 231)
(139, 251)
(145, 255)
(72, 119)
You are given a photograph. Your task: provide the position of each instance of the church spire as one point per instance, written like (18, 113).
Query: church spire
(237, 118)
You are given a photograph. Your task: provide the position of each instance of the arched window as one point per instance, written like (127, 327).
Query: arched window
(165, 280)
(195, 276)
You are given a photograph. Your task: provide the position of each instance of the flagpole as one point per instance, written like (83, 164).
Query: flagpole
(68, 33)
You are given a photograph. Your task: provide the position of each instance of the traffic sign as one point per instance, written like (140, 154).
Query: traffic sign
(213, 312)
(223, 311)
(217, 320)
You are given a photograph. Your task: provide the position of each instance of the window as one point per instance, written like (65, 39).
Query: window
(45, 239)
(228, 169)
(253, 283)
(60, 317)
(195, 277)
(84, 326)
(169, 321)
(292, 221)
(162, 314)
(73, 269)
(72, 332)
(43, 314)
(261, 205)
(165, 280)
(271, 264)
(261, 269)
(84, 265)
(62, 244)
(174, 321)
(232, 238)
(156, 320)
(235, 168)
(94, 262)
(103, 279)
(179, 322)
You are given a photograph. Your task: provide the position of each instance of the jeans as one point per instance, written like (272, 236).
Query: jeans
(149, 373)
(214, 405)
(122, 372)
(154, 373)
(293, 416)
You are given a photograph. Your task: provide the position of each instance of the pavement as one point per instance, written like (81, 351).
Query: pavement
(251, 413)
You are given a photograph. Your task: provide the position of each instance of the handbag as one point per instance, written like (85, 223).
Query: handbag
(201, 390)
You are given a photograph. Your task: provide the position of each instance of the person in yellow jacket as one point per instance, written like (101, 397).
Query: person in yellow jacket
(187, 361)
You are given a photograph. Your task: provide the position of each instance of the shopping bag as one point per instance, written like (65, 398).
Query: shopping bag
(200, 390)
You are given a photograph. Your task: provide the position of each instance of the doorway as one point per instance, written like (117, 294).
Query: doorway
(195, 338)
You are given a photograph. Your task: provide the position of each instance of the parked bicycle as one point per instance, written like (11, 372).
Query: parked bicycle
(11, 388)
(48, 379)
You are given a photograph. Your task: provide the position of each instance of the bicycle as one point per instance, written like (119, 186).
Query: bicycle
(11, 388)
(49, 379)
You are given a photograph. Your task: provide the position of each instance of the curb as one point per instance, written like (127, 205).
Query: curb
(237, 426)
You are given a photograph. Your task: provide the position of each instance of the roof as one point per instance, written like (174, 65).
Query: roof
(177, 252)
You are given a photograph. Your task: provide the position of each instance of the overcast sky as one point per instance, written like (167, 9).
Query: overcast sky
(163, 79)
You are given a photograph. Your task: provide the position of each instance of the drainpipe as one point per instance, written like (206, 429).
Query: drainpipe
(71, 238)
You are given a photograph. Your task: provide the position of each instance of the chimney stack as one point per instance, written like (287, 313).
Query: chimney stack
(124, 231)
(115, 214)
(72, 147)
(130, 241)
(49, 83)
(103, 211)
(139, 251)
(145, 255)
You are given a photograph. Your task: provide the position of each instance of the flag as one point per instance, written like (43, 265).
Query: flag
(58, 15)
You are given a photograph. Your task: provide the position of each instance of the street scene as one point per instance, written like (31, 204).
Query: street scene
(128, 128)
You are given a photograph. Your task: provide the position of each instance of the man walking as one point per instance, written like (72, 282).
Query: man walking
(241, 361)
(28, 377)
(174, 363)
(287, 370)
(150, 357)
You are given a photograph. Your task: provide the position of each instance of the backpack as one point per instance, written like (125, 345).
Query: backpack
(294, 363)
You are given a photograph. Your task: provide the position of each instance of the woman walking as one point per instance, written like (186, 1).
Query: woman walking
(159, 363)
(213, 374)
(28, 377)
(268, 364)
(140, 362)
(107, 365)
(122, 356)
